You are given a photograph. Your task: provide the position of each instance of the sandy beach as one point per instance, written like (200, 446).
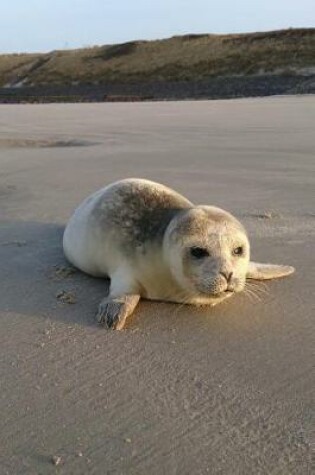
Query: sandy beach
(181, 390)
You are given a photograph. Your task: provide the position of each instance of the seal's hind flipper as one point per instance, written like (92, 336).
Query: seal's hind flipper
(259, 271)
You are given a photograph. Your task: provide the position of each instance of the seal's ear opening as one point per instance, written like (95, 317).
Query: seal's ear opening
(260, 271)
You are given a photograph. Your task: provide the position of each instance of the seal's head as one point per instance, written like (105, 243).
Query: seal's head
(208, 251)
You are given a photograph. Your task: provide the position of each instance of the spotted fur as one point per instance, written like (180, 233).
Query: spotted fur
(140, 234)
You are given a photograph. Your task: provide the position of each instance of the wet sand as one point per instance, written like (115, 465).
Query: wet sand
(181, 390)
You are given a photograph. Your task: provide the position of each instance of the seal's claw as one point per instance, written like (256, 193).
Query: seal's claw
(113, 312)
(110, 313)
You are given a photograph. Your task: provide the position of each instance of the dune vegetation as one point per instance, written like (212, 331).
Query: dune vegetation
(180, 58)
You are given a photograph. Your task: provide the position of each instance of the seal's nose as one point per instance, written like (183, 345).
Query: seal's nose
(227, 275)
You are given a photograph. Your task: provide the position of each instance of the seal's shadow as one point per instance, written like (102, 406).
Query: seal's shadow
(37, 280)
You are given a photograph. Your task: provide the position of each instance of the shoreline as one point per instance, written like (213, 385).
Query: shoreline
(232, 87)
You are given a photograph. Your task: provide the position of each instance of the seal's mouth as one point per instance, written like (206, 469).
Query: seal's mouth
(217, 295)
(217, 288)
(217, 291)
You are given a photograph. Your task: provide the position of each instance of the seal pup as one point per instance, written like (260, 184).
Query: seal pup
(154, 243)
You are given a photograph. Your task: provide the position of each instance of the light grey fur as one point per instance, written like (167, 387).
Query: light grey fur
(142, 235)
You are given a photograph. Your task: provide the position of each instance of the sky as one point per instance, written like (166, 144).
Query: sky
(45, 25)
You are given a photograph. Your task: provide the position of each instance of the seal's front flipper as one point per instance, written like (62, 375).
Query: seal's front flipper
(113, 311)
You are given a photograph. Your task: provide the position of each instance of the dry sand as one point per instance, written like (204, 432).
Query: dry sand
(181, 390)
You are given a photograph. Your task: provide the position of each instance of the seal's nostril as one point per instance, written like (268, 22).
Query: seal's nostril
(227, 275)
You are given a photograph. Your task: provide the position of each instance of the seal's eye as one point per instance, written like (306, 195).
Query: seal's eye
(238, 251)
(199, 252)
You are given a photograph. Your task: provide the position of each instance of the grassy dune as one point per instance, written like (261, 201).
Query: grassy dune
(189, 57)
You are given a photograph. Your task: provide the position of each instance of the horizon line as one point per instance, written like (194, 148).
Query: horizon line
(67, 48)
